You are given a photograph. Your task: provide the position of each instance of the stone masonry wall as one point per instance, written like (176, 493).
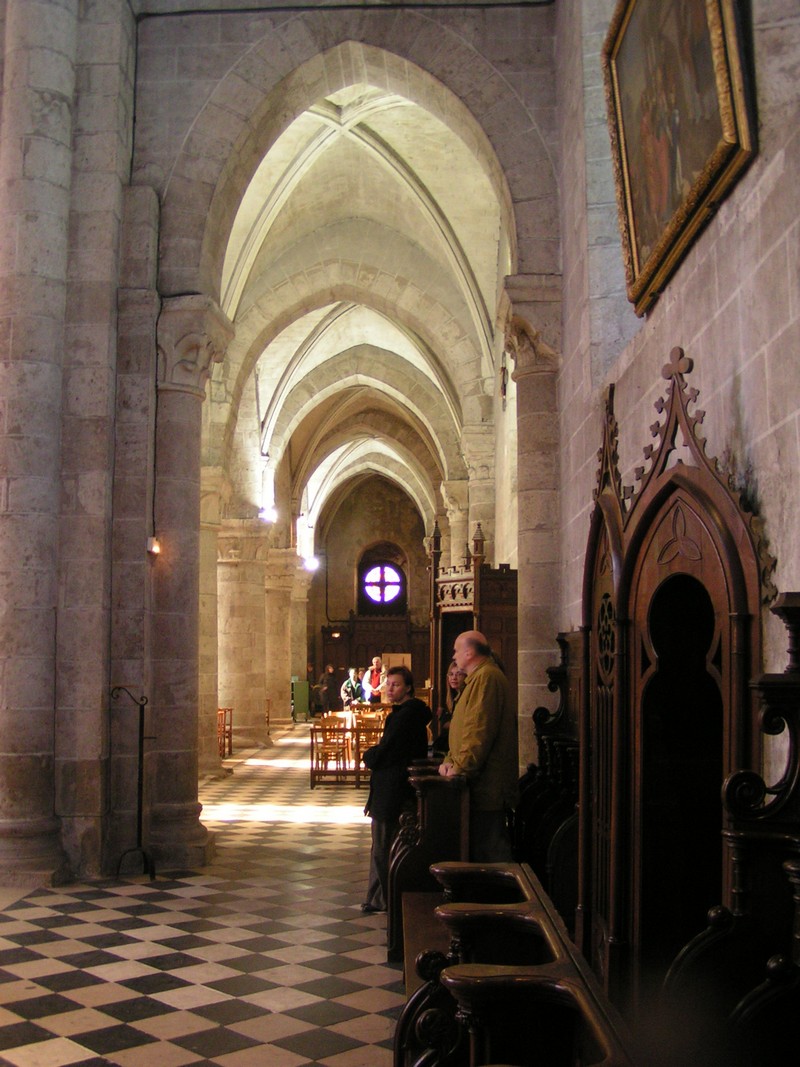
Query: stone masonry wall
(733, 305)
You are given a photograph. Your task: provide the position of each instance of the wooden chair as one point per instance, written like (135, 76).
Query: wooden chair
(330, 748)
(423, 693)
(369, 718)
(367, 730)
(343, 720)
(225, 731)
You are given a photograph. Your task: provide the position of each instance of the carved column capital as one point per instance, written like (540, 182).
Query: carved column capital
(529, 353)
(243, 541)
(193, 333)
(284, 568)
(302, 584)
(478, 444)
(455, 495)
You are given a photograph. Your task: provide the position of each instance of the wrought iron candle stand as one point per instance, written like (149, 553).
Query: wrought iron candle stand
(147, 860)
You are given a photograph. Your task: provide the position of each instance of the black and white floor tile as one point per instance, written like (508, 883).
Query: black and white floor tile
(263, 959)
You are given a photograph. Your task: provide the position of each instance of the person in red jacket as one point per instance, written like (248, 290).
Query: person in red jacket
(371, 682)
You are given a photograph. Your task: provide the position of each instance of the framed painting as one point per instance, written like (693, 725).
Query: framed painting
(682, 127)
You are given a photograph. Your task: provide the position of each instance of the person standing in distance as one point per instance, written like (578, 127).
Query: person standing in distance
(371, 682)
(484, 748)
(444, 715)
(327, 689)
(351, 689)
(404, 739)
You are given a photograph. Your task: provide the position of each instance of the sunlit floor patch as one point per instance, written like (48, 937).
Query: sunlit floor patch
(297, 813)
(281, 763)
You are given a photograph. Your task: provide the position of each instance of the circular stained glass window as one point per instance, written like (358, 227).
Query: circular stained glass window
(382, 584)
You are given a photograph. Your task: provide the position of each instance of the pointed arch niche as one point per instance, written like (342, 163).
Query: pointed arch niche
(674, 579)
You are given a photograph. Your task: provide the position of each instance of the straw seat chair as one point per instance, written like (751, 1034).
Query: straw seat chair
(330, 749)
(225, 731)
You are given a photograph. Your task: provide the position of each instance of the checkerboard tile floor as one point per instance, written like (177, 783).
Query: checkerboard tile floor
(263, 958)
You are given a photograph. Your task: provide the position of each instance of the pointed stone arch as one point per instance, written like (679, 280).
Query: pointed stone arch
(383, 260)
(402, 383)
(402, 469)
(292, 65)
(405, 444)
(279, 309)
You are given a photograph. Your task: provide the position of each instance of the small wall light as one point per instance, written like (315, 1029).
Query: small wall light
(311, 563)
(268, 515)
(153, 546)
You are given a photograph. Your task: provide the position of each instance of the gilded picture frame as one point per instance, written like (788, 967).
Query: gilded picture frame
(682, 127)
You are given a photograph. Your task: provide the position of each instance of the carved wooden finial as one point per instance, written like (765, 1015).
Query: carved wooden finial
(679, 363)
(436, 537)
(478, 542)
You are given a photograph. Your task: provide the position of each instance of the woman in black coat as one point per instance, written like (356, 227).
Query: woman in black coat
(404, 739)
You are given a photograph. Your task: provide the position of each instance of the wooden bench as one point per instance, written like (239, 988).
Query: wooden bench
(511, 988)
(422, 932)
(438, 830)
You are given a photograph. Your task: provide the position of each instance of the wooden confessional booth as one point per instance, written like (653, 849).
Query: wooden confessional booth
(662, 688)
(474, 596)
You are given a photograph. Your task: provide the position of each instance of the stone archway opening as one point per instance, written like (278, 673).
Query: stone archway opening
(362, 283)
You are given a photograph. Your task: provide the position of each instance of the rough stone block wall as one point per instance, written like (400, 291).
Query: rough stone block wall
(732, 305)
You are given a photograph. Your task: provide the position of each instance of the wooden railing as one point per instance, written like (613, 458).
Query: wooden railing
(438, 830)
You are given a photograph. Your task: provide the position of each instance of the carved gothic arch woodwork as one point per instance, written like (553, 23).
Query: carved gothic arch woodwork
(473, 596)
(675, 574)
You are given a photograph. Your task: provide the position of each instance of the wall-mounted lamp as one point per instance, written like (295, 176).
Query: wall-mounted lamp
(268, 515)
(311, 563)
(153, 546)
(336, 635)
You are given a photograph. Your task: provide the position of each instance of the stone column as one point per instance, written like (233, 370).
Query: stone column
(35, 174)
(535, 374)
(209, 762)
(299, 623)
(282, 568)
(131, 569)
(192, 334)
(242, 550)
(479, 452)
(456, 500)
(132, 566)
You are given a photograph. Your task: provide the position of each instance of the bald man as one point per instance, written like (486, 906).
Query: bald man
(484, 747)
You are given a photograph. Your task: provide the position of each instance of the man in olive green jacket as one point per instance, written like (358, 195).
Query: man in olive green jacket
(484, 747)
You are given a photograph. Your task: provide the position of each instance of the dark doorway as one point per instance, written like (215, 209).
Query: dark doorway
(681, 773)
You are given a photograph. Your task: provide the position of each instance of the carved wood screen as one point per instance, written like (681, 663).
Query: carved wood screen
(475, 596)
(674, 575)
(356, 641)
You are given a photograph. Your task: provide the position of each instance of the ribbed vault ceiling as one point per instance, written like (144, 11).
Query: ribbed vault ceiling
(362, 274)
